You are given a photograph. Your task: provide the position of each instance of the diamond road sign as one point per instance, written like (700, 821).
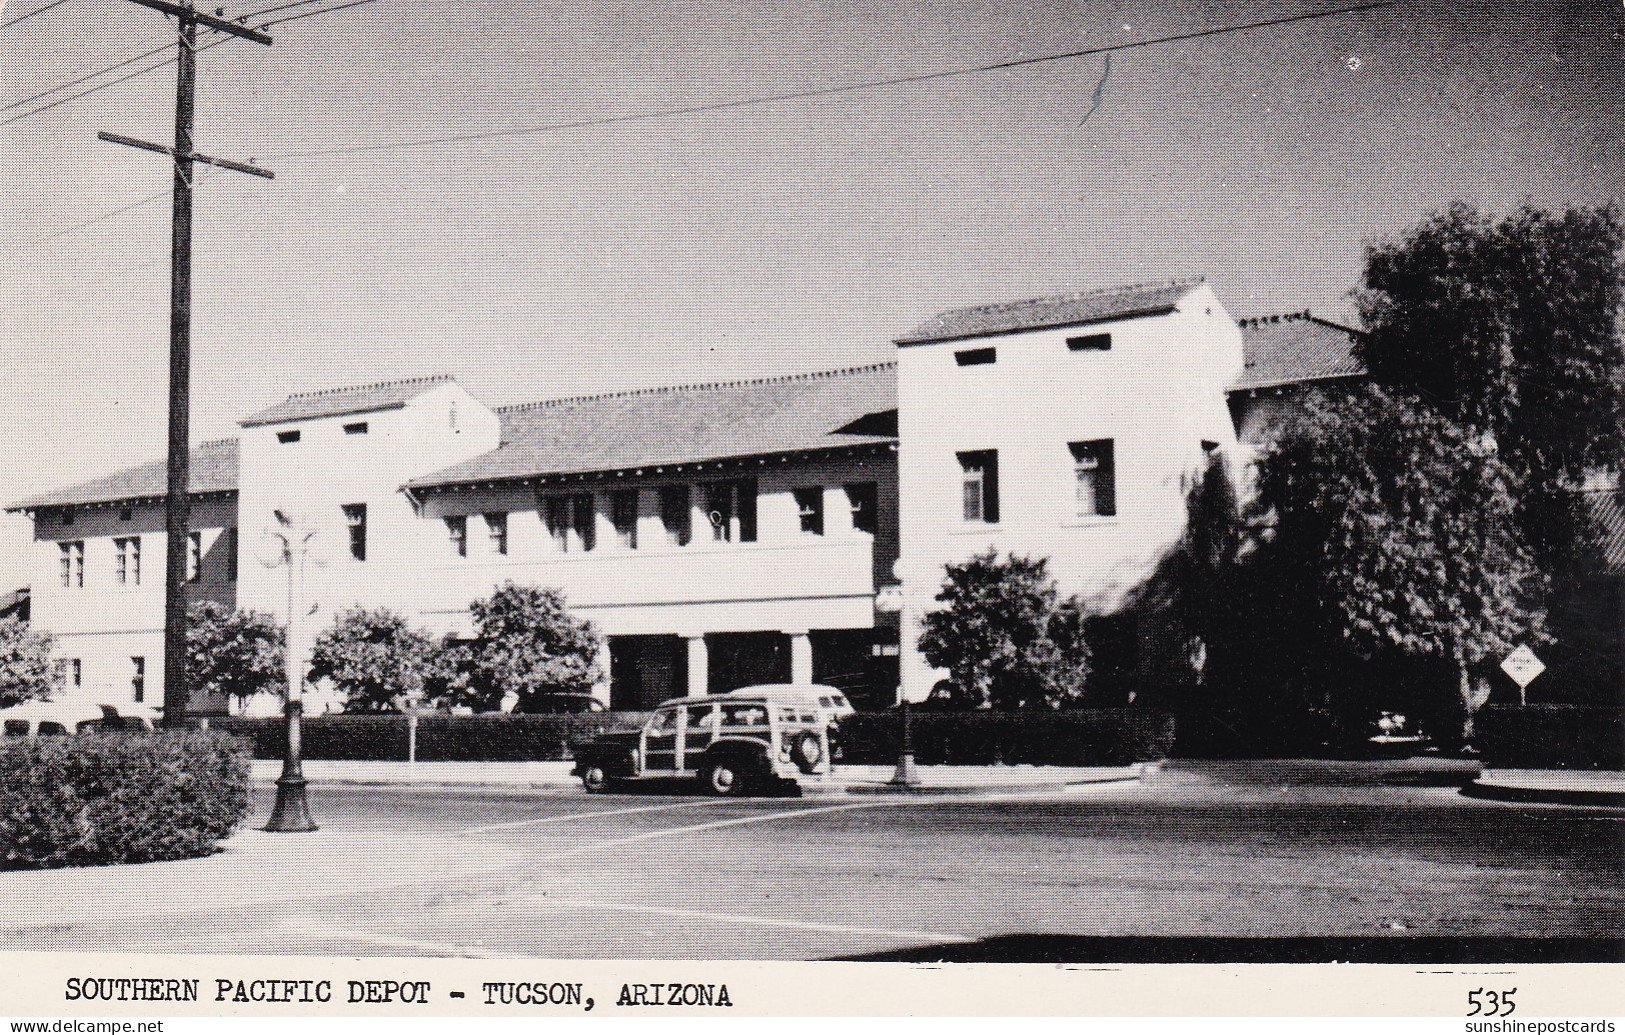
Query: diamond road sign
(1523, 666)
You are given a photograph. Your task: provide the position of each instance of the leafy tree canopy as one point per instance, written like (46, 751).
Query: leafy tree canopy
(1005, 636)
(1395, 533)
(237, 653)
(529, 643)
(25, 663)
(1511, 327)
(374, 658)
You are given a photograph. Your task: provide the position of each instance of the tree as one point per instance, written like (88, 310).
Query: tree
(25, 663)
(374, 658)
(236, 653)
(1395, 534)
(1510, 327)
(1005, 637)
(528, 643)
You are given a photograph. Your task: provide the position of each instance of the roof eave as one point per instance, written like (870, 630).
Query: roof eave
(1093, 321)
(35, 505)
(260, 422)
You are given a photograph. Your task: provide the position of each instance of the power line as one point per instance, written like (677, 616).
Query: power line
(30, 14)
(88, 77)
(826, 91)
(162, 64)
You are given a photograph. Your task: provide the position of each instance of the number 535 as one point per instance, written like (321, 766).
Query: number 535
(1491, 1003)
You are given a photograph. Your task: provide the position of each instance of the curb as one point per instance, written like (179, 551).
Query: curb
(1544, 795)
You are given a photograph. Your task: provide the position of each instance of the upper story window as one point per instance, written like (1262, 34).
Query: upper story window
(127, 561)
(623, 514)
(979, 479)
(355, 519)
(286, 437)
(1090, 343)
(676, 515)
(586, 520)
(976, 357)
(731, 509)
(863, 498)
(356, 428)
(194, 556)
(138, 679)
(496, 526)
(67, 515)
(73, 564)
(228, 537)
(457, 528)
(76, 672)
(810, 506)
(556, 516)
(1094, 478)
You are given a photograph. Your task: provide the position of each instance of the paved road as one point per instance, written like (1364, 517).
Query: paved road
(1193, 864)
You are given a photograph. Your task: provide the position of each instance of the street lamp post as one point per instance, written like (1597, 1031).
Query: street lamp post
(288, 546)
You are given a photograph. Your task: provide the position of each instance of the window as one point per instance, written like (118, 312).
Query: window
(1090, 343)
(623, 513)
(357, 428)
(457, 528)
(810, 505)
(496, 526)
(67, 515)
(127, 565)
(138, 679)
(286, 437)
(586, 520)
(76, 671)
(556, 515)
(862, 497)
(731, 509)
(675, 514)
(73, 564)
(976, 357)
(229, 536)
(355, 518)
(194, 556)
(979, 472)
(1094, 479)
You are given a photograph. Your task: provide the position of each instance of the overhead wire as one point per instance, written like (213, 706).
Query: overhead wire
(38, 10)
(825, 91)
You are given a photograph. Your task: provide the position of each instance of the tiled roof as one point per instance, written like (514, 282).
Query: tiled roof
(1294, 347)
(336, 402)
(1607, 509)
(213, 469)
(668, 426)
(1081, 307)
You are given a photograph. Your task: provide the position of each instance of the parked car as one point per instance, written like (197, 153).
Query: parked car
(561, 704)
(732, 744)
(58, 719)
(830, 699)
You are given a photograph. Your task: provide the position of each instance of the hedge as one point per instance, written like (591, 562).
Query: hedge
(1099, 736)
(1550, 736)
(440, 738)
(1086, 736)
(118, 798)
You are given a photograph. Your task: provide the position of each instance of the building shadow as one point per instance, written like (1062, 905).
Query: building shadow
(1127, 949)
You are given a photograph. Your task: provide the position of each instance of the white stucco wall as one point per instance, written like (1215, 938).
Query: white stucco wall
(1157, 393)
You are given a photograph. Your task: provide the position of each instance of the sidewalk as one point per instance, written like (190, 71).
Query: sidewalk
(1551, 786)
(856, 779)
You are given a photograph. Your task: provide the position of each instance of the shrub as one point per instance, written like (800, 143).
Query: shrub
(1084, 736)
(441, 738)
(374, 658)
(25, 663)
(1552, 736)
(528, 643)
(96, 799)
(235, 653)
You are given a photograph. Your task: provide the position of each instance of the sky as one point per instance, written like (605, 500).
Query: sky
(787, 236)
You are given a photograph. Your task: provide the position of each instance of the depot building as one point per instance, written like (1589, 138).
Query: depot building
(776, 529)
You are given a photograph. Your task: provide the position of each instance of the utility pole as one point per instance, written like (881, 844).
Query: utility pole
(177, 497)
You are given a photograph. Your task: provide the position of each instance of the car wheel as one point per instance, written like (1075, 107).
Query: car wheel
(594, 779)
(723, 779)
(805, 751)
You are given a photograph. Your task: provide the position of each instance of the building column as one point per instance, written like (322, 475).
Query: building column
(801, 658)
(699, 666)
(601, 688)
